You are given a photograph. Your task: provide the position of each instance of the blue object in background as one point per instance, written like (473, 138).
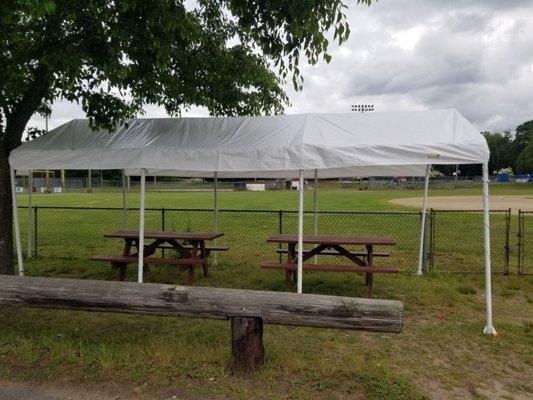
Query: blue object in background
(524, 178)
(503, 178)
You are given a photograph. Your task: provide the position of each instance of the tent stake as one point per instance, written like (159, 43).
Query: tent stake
(423, 222)
(300, 229)
(141, 226)
(489, 329)
(16, 221)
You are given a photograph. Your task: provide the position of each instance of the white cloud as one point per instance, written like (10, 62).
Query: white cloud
(473, 55)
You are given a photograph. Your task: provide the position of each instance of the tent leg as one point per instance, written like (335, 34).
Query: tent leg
(16, 221)
(315, 206)
(30, 225)
(124, 201)
(423, 222)
(300, 230)
(215, 216)
(489, 328)
(141, 226)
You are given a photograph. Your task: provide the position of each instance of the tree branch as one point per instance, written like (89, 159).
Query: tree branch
(21, 113)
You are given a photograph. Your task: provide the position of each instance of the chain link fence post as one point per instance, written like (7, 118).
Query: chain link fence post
(520, 242)
(280, 231)
(507, 251)
(163, 227)
(426, 244)
(35, 224)
(432, 239)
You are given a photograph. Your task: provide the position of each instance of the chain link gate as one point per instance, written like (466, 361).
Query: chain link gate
(449, 251)
(525, 242)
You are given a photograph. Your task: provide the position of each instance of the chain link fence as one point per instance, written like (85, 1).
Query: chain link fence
(456, 241)
(455, 237)
(75, 232)
(525, 242)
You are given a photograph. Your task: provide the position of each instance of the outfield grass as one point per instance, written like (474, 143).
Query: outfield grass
(329, 199)
(440, 354)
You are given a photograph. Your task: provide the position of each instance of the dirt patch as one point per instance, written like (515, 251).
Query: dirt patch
(35, 391)
(515, 203)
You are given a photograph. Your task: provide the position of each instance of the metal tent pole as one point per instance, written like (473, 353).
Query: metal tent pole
(315, 207)
(300, 229)
(489, 328)
(16, 221)
(124, 201)
(30, 225)
(215, 216)
(141, 226)
(423, 222)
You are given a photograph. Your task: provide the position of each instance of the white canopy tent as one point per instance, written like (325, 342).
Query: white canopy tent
(283, 146)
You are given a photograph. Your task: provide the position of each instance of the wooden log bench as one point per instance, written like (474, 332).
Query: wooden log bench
(247, 309)
(121, 262)
(369, 271)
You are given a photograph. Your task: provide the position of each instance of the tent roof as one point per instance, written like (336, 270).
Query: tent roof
(353, 144)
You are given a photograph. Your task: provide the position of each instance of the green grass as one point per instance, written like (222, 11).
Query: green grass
(440, 354)
(441, 348)
(329, 199)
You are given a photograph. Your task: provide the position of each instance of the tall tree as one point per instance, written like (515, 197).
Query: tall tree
(114, 56)
(500, 145)
(524, 163)
(524, 145)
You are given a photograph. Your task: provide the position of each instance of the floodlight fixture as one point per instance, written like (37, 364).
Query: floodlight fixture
(362, 107)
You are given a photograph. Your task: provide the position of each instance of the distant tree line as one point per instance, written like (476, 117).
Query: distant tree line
(507, 150)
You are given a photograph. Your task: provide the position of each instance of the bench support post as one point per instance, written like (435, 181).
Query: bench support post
(247, 351)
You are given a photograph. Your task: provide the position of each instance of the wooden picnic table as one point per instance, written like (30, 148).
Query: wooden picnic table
(333, 245)
(195, 253)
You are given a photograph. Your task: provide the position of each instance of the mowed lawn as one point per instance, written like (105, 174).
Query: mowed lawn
(328, 199)
(441, 353)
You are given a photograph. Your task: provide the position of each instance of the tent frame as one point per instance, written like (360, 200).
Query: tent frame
(489, 328)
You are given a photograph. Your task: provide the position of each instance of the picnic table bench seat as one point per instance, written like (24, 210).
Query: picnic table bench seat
(150, 260)
(331, 268)
(122, 262)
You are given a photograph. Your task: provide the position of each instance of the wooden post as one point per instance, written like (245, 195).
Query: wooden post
(247, 351)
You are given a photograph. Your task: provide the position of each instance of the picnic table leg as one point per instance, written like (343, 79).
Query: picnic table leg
(291, 254)
(369, 275)
(194, 254)
(121, 270)
(121, 267)
(204, 255)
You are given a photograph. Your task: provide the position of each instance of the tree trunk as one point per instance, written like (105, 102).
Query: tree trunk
(6, 217)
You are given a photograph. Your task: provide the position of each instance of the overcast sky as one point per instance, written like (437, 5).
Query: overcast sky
(472, 55)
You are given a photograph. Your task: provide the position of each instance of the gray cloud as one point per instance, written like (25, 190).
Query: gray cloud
(473, 55)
